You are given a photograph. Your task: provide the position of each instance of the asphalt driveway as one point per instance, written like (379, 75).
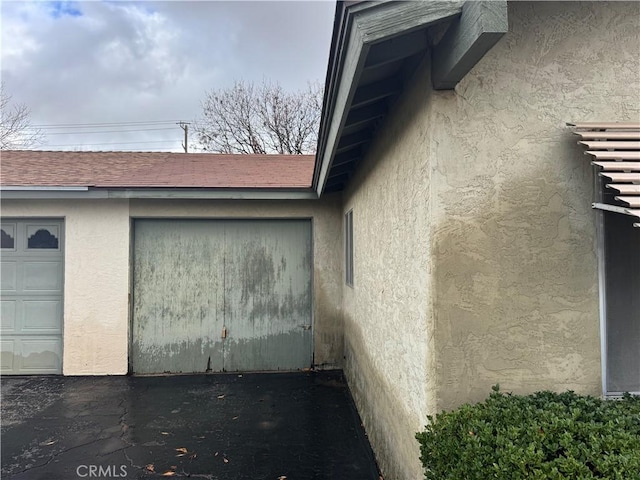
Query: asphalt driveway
(293, 426)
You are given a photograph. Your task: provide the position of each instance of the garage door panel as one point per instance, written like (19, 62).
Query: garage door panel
(7, 355)
(8, 316)
(41, 355)
(42, 316)
(31, 355)
(42, 276)
(178, 297)
(9, 276)
(268, 295)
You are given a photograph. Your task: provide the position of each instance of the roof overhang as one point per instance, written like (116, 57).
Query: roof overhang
(51, 193)
(376, 46)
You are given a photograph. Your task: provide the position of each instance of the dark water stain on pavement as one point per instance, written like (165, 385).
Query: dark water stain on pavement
(293, 426)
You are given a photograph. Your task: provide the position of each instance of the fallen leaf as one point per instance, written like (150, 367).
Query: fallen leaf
(46, 444)
(182, 450)
(225, 460)
(235, 418)
(220, 396)
(165, 433)
(193, 455)
(150, 468)
(216, 454)
(168, 473)
(181, 455)
(282, 477)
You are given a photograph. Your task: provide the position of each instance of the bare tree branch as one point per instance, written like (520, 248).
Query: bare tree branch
(264, 119)
(16, 131)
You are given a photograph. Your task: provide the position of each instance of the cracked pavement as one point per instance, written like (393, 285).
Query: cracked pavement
(229, 426)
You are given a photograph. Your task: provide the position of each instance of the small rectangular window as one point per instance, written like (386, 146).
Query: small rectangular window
(348, 247)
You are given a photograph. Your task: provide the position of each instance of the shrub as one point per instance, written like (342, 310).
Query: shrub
(541, 436)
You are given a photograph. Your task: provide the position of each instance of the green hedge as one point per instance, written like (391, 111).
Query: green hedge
(541, 436)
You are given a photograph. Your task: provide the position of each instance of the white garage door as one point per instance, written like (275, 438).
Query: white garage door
(221, 295)
(31, 296)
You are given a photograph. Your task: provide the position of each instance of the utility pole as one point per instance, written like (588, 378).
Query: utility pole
(185, 126)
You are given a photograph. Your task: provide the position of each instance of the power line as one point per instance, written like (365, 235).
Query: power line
(110, 143)
(103, 124)
(150, 149)
(112, 131)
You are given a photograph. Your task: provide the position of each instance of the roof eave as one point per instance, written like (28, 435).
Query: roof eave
(51, 193)
(361, 29)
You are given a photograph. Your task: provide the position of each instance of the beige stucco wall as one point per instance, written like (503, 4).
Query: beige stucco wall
(97, 270)
(96, 280)
(475, 248)
(328, 328)
(388, 319)
(513, 235)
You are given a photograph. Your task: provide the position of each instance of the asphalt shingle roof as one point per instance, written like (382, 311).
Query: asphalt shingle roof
(154, 170)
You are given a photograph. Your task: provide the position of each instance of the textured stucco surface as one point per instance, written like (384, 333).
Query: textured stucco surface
(96, 281)
(513, 235)
(475, 247)
(97, 270)
(388, 321)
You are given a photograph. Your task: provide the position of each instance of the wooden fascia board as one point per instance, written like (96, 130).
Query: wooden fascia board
(390, 19)
(352, 68)
(467, 40)
(370, 23)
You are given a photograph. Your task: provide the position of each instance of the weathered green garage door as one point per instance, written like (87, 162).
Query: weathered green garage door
(221, 295)
(31, 296)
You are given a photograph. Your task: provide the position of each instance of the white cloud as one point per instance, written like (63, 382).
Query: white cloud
(139, 61)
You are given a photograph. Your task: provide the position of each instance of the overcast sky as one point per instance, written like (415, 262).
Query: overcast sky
(119, 61)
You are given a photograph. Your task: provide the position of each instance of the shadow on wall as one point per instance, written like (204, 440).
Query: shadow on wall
(515, 278)
(390, 428)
